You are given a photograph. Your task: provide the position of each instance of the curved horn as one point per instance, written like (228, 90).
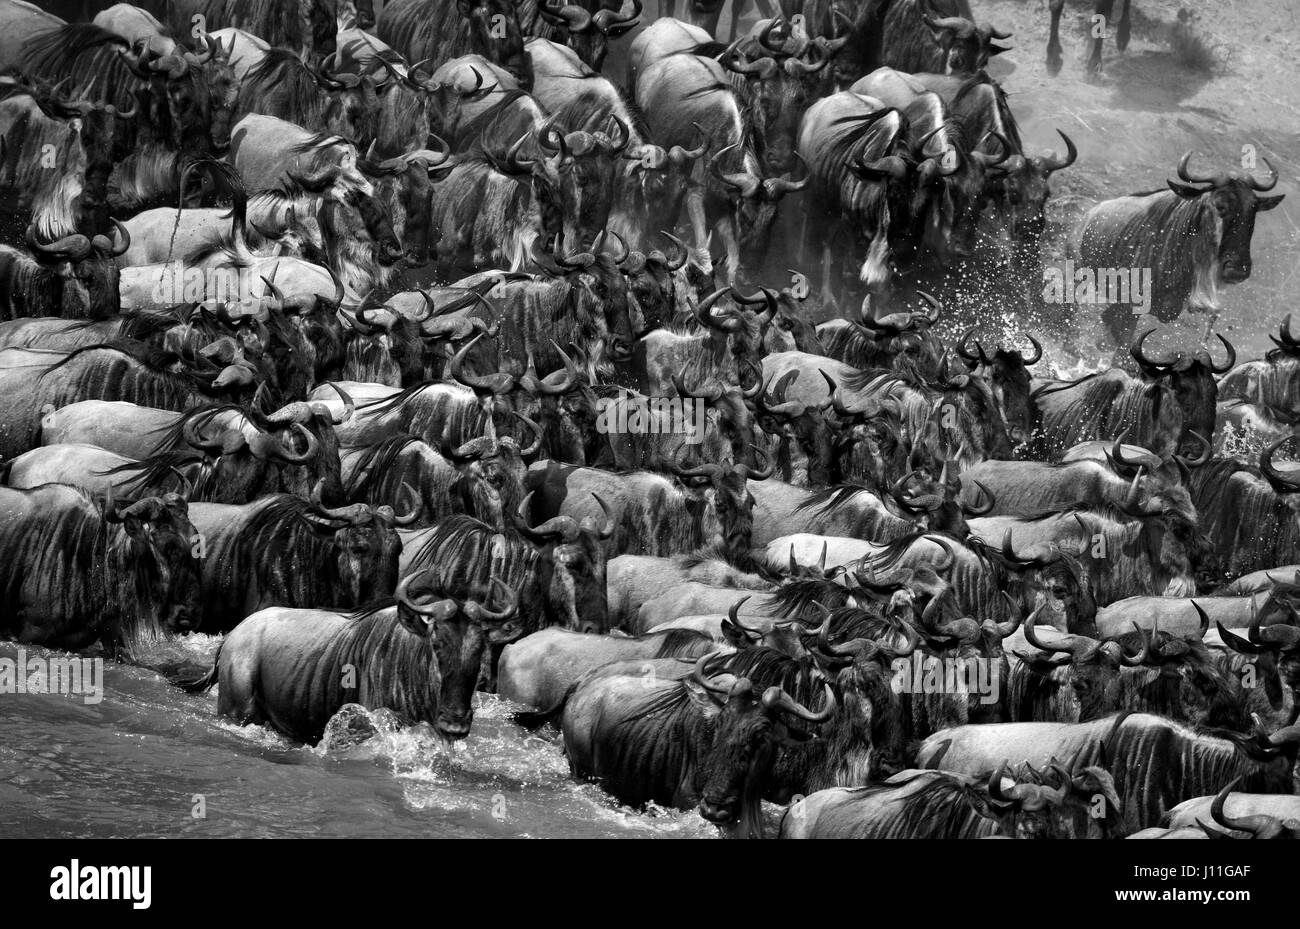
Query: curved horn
(409, 518)
(776, 699)
(1231, 361)
(285, 451)
(1272, 181)
(479, 613)
(1280, 482)
(1055, 163)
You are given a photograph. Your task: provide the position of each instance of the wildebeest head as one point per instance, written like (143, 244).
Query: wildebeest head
(1007, 372)
(733, 504)
(966, 47)
(802, 423)
(86, 269)
(653, 282)
(595, 290)
(1095, 667)
(323, 468)
(457, 632)
(1021, 186)
(1191, 376)
(590, 24)
(378, 227)
(1274, 648)
(495, 34)
(351, 107)
(1234, 198)
(969, 416)
(1051, 804)
(938, 501)
(573, 558)
(404, 185)
(222, 87)
(366, 543)
(247, 468)
(748, 728)
(582, 171)
(562, 404)
(156, 564)
(776, 88)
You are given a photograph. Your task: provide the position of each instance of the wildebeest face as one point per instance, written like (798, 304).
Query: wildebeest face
(578, 583)
(733, 505)
(496, 35)
(367, 555)
(377, 225)
(1011, 389)
(162, 558)
(190, 114)
(602, 289)
(353, 112)
(741, 755)
(459, 644)
(1236, 205)
(93, 293)
(457, 633)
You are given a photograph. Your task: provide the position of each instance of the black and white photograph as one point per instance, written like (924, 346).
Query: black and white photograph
(696, 419)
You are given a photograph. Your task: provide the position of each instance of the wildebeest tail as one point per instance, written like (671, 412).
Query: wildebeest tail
(205, 683)
(532, 720)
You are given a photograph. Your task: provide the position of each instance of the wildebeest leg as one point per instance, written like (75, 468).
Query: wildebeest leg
(237, 696)
(731, 244)
(1054, 40)
(667, 8)
(696, 214)
(1121, 33)
(1103, 9)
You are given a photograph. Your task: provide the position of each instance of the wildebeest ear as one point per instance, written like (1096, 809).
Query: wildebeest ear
(415, 624)
(996, 49)
(701, 699)
(1267, 203)
(1184, 191)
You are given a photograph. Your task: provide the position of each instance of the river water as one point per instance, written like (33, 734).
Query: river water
(148, 757)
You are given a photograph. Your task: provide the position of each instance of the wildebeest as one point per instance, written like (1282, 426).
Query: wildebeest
(585, 26)
(937, 36)
(557, 565)
(538, 669)
(74, 277)
(857, 153)
(1103, 10)
(1169, 408)
(293, 669)
(76, 573)
(284, 87)
(283, 551)
(438, 30)
(1193, 237)
(916, 804)
(648, 734)
(1156, 763)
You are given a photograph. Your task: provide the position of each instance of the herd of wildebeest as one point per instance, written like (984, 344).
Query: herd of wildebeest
(316, 323)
